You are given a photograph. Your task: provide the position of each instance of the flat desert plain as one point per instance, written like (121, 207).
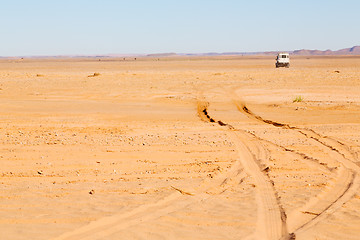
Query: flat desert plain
(180, 148)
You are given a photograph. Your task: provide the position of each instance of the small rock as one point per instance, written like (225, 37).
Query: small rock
(92, 192)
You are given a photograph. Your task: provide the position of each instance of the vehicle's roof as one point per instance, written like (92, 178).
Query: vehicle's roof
(283, 53)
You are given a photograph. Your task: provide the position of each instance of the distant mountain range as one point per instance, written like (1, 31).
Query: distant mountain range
(346, 51)
(303, 52)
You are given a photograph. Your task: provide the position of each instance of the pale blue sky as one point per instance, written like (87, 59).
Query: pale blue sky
(59, 27)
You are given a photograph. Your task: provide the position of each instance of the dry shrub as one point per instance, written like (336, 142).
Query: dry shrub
(298, 99)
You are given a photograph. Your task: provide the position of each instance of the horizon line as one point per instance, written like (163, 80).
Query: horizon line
(165, 54)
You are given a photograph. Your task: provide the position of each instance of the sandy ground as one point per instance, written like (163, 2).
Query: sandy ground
(180, 148)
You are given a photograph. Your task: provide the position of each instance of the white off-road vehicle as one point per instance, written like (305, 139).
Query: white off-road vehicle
(282, 60)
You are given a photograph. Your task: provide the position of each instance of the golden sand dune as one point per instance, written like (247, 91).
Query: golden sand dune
(181, 148)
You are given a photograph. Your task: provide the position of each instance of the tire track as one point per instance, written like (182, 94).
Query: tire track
(344, 187)
(176, 201)
(109, 225)
(327, 202)
(328, 142)
(313, 161)
(271, 215)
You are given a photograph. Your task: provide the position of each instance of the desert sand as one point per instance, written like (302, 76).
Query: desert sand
(180, 148)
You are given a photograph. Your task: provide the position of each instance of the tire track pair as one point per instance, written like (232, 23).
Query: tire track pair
(271, 215)
(343, 189)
